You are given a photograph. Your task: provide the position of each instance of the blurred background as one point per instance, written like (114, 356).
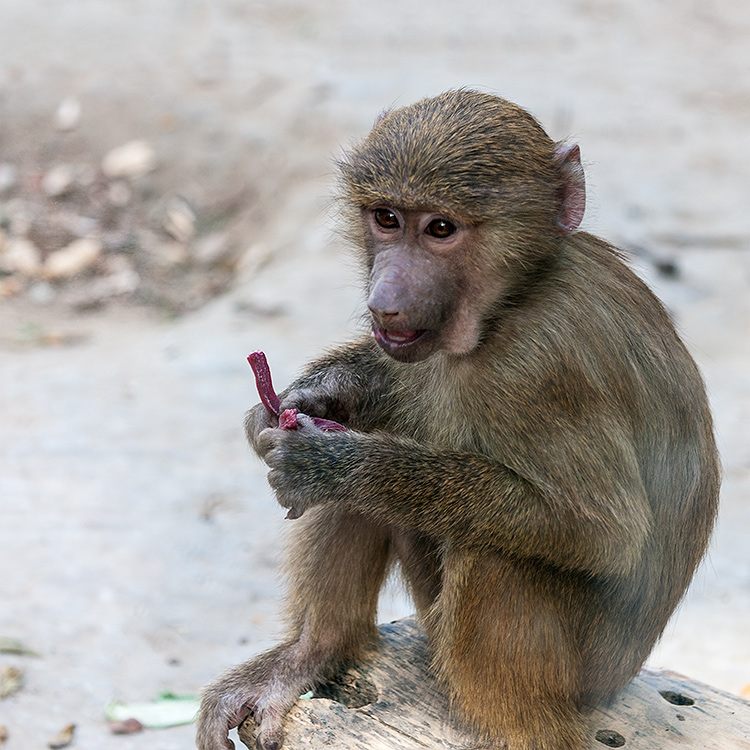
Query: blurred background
(166, 182)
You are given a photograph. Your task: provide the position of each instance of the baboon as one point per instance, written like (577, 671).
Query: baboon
(527, 437)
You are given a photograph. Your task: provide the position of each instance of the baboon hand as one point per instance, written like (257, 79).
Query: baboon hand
(307, 466)
(315, 402)
(257, 420)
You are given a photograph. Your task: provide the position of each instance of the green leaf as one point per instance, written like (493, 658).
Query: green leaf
(167, 711)
(14, 646)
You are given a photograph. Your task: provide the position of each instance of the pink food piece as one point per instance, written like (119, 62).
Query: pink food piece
(328, 425)
(288, 419)
(269, 399)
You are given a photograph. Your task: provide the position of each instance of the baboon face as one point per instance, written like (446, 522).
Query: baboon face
(416, 279)
(461, 197)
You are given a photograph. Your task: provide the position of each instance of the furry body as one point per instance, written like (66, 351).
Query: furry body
(528, 438)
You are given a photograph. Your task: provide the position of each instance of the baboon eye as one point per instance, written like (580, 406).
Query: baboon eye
(386, 218)
(440, 228)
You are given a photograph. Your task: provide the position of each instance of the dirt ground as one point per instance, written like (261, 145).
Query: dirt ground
(139, 543)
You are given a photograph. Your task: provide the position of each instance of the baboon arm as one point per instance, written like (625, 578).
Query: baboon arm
(346, 384)
(596, 522)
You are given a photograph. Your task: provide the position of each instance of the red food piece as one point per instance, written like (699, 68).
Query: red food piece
(269, 399)
(328, 425)
(268, 396)
(288, 419)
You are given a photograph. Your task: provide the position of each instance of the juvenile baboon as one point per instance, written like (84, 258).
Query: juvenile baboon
(527, 437)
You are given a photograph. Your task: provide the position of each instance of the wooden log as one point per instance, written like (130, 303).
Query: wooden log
(391, 702)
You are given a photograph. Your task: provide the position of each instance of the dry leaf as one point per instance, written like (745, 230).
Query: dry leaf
(3, 735)
(64, 738)
(11, 681)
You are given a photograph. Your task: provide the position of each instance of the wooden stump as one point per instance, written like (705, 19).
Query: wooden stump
(391, 702)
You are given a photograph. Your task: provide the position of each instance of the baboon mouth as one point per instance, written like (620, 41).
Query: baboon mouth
(398, 338)
(406, 345)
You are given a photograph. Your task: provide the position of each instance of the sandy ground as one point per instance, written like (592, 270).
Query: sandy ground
(139, 544)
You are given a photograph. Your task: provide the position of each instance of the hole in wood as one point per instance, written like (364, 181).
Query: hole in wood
(676, 699)
(350, 689)
(609, 738)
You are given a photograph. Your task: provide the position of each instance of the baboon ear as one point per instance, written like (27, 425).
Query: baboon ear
(573, 190)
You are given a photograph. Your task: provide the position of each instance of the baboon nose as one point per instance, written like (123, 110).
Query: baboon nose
(383, 316)
(386, 299)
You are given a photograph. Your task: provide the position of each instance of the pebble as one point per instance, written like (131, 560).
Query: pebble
(20, 255)
(76, 257)
(121, 280)
(68, 114)
(59, 180)
(41, 293)
(131, 160)
(129, 726)
(211, 249)
(179, 220)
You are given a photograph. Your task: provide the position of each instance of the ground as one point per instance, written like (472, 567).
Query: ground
(139, 542)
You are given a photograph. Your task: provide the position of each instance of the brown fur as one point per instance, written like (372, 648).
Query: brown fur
(543, 468)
